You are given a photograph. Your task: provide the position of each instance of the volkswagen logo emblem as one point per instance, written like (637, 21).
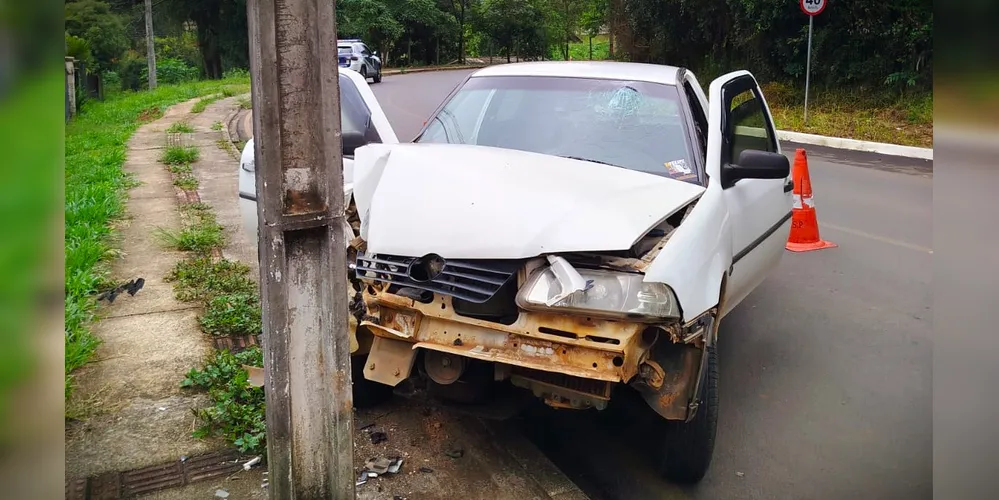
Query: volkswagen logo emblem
(426, 268)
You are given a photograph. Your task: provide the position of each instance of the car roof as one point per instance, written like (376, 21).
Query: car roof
(653, 73)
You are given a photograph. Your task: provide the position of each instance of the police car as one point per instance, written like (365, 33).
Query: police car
(355, 55)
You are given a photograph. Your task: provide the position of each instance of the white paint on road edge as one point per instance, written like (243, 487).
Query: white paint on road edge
(875, 237)
(856, 145)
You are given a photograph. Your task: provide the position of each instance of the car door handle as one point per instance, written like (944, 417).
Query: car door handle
(789, 186)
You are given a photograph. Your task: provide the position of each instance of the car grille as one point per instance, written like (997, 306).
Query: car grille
(472, 280)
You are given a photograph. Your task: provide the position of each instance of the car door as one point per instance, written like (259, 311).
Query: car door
(759, 209)
(370, 58)
(361, 116)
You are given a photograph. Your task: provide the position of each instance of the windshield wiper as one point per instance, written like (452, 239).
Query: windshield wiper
(588, 159)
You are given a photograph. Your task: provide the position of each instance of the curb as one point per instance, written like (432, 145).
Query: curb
(434, 68)
(856, 145)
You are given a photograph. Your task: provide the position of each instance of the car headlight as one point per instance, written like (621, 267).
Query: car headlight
(610, 294)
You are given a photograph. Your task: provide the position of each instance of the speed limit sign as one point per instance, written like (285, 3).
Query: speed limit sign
(813, 7)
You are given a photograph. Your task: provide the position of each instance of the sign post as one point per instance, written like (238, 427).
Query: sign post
(811, 8)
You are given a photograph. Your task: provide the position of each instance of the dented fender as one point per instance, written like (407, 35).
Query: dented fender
(697, 255)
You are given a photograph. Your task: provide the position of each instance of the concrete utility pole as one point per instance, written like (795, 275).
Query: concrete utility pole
(303, 263)
(150, 46)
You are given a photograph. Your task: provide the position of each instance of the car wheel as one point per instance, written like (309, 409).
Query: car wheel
(686, 452)
(364, 72)
(378, 76)
(366, 393)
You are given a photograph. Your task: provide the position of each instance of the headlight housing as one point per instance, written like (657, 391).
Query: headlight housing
(612, 295)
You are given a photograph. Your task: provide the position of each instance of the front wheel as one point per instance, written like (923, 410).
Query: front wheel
(378, 76)
(687, 449)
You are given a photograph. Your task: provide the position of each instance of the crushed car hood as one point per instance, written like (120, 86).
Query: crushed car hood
(478, 202)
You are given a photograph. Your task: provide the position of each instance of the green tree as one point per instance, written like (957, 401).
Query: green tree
(593, 19)
(101, 29)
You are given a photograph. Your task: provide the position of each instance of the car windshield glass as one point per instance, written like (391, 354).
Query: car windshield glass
(344, 51)
(634, 125)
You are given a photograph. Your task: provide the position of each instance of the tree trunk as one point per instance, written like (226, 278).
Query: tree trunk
(208, 43)
(591, 47)
(610, 28)
(461, 37)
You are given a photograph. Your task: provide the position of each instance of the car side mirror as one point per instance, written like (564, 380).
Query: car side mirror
(754, 164)
(351, 140)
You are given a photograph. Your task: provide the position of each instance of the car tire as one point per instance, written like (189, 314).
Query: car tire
(378, 77)
(686, 452)
(364, 72)
(366, 393)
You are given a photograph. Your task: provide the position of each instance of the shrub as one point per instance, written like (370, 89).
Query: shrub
(171, 71)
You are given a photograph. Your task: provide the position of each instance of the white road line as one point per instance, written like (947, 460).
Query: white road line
(882, 239)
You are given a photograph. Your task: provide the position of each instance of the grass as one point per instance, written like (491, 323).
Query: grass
(217, 126)
(180, 127)
(200, 236)
(232, 314)
(179, 155)
(95, 194)
(237, 413)
(202, 279)
(203, 103)
(871, 115)
(245, 103)
(186, 181)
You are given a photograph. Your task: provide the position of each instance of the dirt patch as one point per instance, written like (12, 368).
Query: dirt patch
(150, 114)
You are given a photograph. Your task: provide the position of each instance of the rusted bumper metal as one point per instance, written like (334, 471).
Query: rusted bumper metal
(583, 347)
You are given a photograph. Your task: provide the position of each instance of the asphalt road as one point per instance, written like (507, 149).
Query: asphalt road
(825, 369)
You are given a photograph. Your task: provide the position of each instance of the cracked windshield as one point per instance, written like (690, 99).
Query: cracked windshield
(634, 125)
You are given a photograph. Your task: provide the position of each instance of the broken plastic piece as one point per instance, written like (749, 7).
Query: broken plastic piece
(455, 453)
(221, 494)
(395, 465)
(250, 463)
(569, 279)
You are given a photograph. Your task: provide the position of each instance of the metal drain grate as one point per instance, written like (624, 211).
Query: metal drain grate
(118, 485)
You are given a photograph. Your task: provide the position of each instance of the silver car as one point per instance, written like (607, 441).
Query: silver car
(355, 55)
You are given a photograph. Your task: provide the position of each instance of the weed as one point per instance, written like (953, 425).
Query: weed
(245, 103)
(203, 103)
(236, 314)
(95, 187)
(217, 126)
(237, 413)
(186, 181)
(180, 128)
(179, 155)
(228, 92)
(200, 238)
(224, 145)
(201, 278)
(180, 169)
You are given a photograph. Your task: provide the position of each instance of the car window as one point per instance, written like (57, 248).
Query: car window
(634, 125)
(365, 50)
(344, 50)
(355, 117)
(748, 128)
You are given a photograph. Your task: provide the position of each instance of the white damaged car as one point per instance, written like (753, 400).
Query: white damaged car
(572, 228)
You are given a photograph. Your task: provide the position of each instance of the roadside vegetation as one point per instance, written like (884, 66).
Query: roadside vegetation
(96, 191)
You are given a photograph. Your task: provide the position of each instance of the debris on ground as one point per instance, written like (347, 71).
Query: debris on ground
(132, 287)
(378, 437)
(740, 474)
(455, 453)
(250, 463)
(426, 470)
(379, 466)
(221, 494)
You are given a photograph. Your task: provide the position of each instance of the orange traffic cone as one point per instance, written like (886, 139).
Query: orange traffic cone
(804, 226)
